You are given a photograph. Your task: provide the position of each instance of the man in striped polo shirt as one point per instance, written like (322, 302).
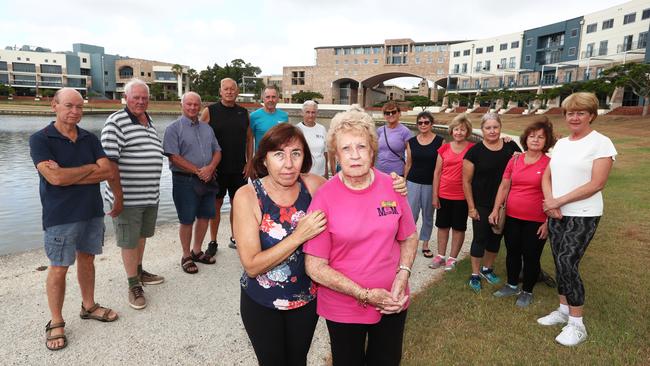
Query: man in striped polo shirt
(135, 150)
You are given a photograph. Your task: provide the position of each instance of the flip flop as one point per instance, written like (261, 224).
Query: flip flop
(427, 253)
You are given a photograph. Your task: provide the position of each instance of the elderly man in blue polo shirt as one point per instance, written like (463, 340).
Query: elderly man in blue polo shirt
(194, 154)
(71, 163)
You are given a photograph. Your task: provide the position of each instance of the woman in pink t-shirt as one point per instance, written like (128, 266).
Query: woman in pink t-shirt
(525, 230)
(362, 261)
(448, 197)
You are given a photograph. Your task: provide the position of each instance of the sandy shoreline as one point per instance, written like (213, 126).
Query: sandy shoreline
(188, 319)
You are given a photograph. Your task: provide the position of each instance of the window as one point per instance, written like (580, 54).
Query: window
(358, 51)
(464, 69)
(84, 60)
(503, 46)
(487, 65)
(53, 61)
(441, 60)
(440, 71)
(345, 62)
(456, 68)
(18, 58)
(627, 43)
(298, 77)
(46, 61)
(417, 60)
(365, 61)
(465, 84)
(609, 23)
(456, 54)
(338, 51)
(466, 52)
(479, 65)
(356, 62)
(346, 51)
(397, 49)
(489, 49)
(429, 59)
(23, 67)
(27, 59)
(629, 18)
(514, 44)
(419, 48)
(602, 49)
(477, 84)
(574, 32)
(592, 27)
(336, 62)
(375, 61)
(486, 83)
(479, 50)
(590, 50)
(645, 14)
(149, 74)
(105, 73)
(527, 58)
(572, 51)
(599, 71)
(366, 50)
(643, 40)
(524, 79)
(513, 63)
(502, 64)
(51, 69)
(377, 50)
(141, 73)
(529, 42)
(568, 76)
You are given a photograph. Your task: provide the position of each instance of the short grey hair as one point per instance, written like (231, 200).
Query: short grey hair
(133, 82)
(224, 80)
(190, 93)
(490, 116)
(309, 103)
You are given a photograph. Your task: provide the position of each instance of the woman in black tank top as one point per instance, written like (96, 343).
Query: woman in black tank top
(422, 153)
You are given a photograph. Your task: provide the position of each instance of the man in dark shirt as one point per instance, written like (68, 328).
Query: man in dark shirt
(231, 127)
(71, 163)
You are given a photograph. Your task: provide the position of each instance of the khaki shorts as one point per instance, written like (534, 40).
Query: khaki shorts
(134, 223)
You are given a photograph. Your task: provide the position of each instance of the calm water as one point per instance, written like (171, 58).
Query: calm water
(20, 205)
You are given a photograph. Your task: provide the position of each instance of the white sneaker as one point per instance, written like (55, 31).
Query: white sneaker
(572, 335)
(554, 318)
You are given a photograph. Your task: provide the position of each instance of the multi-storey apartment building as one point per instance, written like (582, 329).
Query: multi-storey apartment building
(30, 70)
(355, 73)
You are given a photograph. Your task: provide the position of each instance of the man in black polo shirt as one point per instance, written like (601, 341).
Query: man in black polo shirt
(231, 127)
(71, 163)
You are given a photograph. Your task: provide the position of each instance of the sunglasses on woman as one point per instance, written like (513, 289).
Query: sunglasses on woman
(391, 113)
(424, 122)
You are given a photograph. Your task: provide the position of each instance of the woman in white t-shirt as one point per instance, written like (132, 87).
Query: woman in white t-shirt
(315, 136)
(572, 184)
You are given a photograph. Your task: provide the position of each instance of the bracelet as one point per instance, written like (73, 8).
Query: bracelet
(363, 298)
(405, 268)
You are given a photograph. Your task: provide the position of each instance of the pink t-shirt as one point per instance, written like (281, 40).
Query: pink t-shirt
(361, 242)
(526, 196)
(451, 176)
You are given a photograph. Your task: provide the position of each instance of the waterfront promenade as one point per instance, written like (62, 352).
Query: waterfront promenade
(189, 319)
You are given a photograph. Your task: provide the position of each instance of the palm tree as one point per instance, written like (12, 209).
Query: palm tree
(178, 71)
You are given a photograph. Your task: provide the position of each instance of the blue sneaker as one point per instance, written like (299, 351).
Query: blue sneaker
(475, 283)
(490, 276)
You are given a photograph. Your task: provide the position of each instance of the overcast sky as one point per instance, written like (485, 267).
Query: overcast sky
(268, 34)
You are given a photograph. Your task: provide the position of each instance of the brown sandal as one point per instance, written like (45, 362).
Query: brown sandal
(202, 257)
(88, 313)
(188, 265)
(49, 337)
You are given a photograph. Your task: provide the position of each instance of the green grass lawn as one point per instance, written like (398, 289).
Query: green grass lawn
(449, 324)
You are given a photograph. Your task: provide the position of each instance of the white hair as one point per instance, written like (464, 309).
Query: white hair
(190, 93)
(309, 103)
(133, 82)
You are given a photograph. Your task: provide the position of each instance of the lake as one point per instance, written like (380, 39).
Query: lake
(20, 205)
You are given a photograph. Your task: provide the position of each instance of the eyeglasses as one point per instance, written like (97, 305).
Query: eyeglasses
(391, 113)
(425, 123)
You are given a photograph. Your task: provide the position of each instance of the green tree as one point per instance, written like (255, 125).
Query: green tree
(47, 93)
(6, 90)
(419, 101)
(156, 91)
(207, 81)
(635, 76)
(301, 97)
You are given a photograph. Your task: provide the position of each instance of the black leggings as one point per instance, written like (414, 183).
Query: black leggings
(570, 237)
(279, 337)
(522, 241)
(483, 239)
(384, 347)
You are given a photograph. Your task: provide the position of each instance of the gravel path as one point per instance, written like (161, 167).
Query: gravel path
(189, 319)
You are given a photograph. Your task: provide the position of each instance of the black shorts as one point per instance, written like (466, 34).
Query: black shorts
(452, 214)
(229, 183)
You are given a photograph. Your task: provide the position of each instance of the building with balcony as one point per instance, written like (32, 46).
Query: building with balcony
(355, 73)
(174, 80)
(31, 71)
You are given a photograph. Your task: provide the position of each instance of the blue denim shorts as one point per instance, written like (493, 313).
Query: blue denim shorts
(189, 205)
(63, 241)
